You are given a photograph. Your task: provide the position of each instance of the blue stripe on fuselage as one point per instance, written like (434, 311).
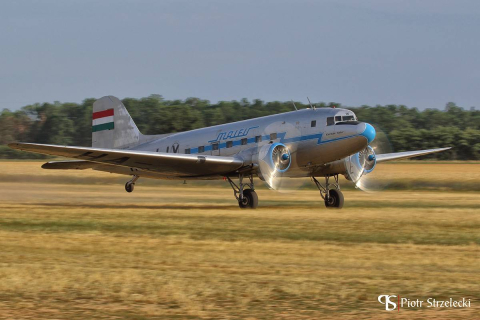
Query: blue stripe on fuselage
(279, 135)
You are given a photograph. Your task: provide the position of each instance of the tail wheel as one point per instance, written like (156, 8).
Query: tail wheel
(334, 199)
(129, 186)
(249, 201)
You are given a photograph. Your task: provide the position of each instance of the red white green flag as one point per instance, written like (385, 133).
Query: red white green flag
(102, 120)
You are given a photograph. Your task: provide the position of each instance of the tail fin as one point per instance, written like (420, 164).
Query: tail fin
(112, 126)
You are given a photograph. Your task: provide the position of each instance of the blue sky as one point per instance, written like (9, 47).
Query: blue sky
(419, 53)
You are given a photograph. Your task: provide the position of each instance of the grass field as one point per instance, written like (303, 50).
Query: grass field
(73, 250)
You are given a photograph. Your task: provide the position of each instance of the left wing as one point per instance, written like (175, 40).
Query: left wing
(406, 154)
(167, 164)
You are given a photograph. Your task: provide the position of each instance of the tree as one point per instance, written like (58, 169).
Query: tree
(406, 128)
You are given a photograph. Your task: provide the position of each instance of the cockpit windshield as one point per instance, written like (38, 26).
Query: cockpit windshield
(342, 119)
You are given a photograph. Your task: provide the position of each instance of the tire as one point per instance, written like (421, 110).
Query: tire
(335, 199)
(250, 199)
(129, 187)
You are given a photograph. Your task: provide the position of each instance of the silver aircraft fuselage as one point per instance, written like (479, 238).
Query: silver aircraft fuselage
(315, 137)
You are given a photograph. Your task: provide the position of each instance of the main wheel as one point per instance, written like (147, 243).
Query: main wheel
(129, 187)
(335, 199)
(250, 199)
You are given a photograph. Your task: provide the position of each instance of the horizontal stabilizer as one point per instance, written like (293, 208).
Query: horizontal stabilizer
(73, 164)
(406, 154)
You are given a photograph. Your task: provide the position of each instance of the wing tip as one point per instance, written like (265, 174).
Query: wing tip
(439, 149)
(408, 154)
(13, 145)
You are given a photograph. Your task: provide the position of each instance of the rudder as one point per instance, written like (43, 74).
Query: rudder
(112, 125)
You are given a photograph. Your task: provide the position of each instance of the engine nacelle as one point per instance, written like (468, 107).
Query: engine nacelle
(360, 163)
(273, 160)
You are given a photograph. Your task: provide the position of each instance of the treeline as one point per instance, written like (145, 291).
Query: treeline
(406, 128)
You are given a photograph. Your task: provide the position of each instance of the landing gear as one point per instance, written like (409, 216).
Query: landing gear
(247, 198)
(130, 185)
(331, 193)
(334, 199)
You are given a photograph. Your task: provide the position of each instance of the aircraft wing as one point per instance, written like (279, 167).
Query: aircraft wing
(406, 154)
(168, 164)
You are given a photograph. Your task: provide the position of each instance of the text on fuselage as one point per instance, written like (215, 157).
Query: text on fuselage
(233, 134)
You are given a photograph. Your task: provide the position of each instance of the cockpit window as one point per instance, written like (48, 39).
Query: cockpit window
(348, 118)
(330, 121)
(338, 118)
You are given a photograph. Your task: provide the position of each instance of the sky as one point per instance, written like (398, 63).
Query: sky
(421, 54)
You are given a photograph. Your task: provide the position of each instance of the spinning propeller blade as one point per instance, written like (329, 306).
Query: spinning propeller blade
(275, 158)
(369, 180)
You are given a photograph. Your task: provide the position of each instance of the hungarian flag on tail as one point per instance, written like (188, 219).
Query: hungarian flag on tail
(102, 120)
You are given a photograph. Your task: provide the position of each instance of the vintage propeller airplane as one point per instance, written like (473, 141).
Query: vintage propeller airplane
(312, 142)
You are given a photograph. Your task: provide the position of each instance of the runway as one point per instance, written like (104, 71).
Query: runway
(77, 250)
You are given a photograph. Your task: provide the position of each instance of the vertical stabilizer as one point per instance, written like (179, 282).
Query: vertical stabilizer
(112, 126)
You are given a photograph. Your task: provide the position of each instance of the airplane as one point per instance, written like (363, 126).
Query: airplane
(312, 142)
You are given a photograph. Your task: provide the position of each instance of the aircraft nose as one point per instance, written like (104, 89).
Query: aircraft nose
(369, 132)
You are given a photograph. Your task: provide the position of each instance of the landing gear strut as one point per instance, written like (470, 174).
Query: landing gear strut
(129, 186)
(331, 193)
(247, 198)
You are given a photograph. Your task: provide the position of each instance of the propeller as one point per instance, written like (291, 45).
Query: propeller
(360, 165)
(273, 160)
(276, 158)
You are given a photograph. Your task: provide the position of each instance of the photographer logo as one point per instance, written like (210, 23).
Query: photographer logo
(387, 301)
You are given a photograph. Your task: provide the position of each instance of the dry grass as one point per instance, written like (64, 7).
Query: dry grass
(183, 252)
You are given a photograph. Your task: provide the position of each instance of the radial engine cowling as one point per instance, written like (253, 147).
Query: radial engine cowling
(273, 160)
(359, 164)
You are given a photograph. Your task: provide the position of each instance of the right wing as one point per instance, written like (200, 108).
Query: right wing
(406, 154)
(166, 164)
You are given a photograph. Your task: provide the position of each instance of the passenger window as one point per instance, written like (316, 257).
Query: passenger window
(201, 149)
(338, 118)
(314, 123)
(258, 139)
(244, 141)
(273, 136)
(215, 146)
(187, 151)
(229, 144)
(330, 121)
